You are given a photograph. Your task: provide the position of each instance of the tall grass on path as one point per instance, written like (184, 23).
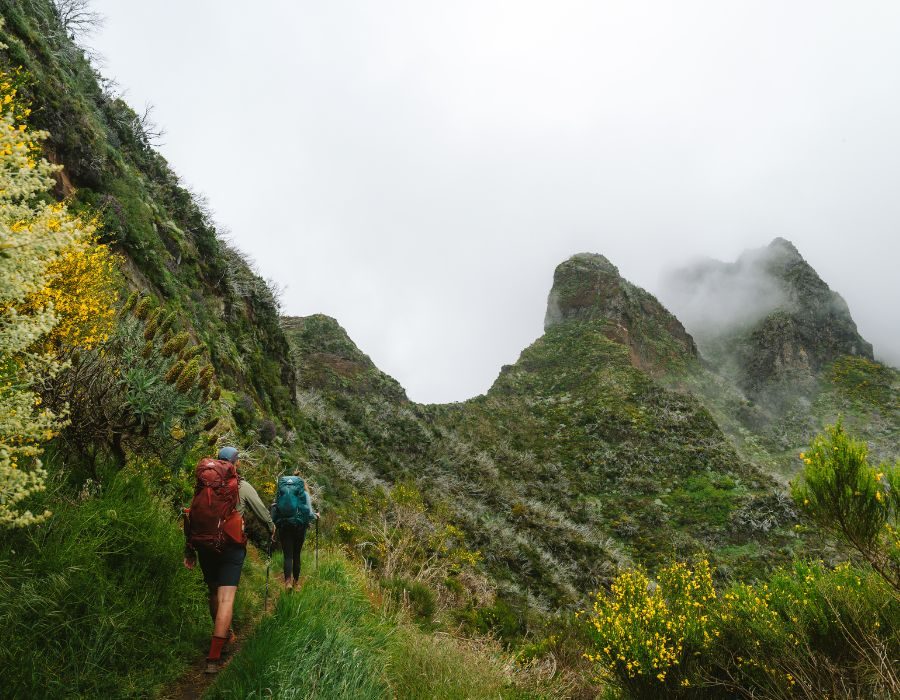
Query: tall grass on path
(96, 602)
(330, 641)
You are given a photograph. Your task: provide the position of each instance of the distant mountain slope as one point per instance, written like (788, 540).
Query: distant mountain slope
(767, 318)
(787, 352)
(575, 461)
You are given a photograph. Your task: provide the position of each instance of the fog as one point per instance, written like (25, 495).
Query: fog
(711, 297)
(417, 169)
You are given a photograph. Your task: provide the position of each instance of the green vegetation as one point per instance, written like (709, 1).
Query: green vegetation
(96, 602)
(854, 501)
(464, 536)
(808, 631)
(354, 650)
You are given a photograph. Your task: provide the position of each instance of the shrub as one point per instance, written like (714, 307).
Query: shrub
(127, 396)
(808, 631)
(45, 254)
(843, 494)
(96, 602)
(266, 431)
(420, 599)
(646, 634)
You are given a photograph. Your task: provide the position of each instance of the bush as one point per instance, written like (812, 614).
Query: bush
(842, 493)
(646, 634)
(96, 602)
(420, 599)
(267, 431)
(809, 631)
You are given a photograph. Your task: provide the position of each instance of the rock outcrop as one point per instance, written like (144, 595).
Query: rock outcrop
(768, 318)
(588, 287)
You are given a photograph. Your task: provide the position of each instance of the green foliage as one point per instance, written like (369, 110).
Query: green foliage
(420, 599)
(808, 631)
(353, 651)
(126, 395)
(96, 602)
(858, 503)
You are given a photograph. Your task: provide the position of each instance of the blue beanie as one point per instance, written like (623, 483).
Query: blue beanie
(229, 454)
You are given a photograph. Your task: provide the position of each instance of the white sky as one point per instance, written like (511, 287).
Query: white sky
(417, 169)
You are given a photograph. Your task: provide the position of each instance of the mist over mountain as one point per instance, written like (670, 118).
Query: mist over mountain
(764, 316)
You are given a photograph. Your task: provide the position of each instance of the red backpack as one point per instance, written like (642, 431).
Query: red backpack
(212, 521)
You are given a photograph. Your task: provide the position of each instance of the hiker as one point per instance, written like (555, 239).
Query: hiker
(214, 528)
(292, 512)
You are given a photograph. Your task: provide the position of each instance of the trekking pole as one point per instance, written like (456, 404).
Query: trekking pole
(317, 545)
(268, 566)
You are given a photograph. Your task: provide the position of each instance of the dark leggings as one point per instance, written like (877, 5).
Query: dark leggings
(292, 537)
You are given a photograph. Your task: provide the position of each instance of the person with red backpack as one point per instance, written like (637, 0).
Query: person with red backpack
(214, 528)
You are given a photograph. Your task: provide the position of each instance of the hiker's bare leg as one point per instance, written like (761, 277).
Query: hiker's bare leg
(213, 602)
(225, 602)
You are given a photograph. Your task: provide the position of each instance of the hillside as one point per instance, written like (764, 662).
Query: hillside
(785, 354)
(467, 548)
(168, 241)
(575, 461)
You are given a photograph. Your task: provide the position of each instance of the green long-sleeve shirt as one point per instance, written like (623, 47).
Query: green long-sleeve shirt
(249, 498)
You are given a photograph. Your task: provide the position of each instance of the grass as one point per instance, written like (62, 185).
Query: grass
(333, 640)
(96, 602)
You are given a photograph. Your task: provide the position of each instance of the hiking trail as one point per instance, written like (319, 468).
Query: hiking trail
(194, 682)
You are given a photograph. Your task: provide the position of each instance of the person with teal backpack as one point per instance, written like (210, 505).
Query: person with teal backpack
(292, 512)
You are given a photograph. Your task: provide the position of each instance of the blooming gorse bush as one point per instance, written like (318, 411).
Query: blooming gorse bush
(645, 632)
(55, 288)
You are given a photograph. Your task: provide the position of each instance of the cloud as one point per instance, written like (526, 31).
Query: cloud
(417, 169)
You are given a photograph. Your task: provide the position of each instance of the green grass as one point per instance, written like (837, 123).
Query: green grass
(96, 602)
(331, 640)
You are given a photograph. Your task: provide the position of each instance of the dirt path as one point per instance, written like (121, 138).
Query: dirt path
(194, 682)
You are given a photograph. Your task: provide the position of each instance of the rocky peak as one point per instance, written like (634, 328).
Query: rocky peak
(588, 288)
(327, 359)
(769, 315)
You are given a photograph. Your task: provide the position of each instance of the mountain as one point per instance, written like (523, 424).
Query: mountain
(767, 318)
(785, 354)
(575, 460)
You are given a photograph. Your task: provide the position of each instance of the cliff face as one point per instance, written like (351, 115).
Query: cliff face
(587, 287)
(767, 319)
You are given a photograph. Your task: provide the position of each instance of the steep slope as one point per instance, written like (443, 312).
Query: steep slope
(788, 355)
(575, 461)
(168, 241)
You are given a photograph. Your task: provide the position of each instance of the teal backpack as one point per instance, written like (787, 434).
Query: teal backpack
(292, 506)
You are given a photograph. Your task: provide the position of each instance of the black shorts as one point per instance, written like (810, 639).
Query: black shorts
(222, 568)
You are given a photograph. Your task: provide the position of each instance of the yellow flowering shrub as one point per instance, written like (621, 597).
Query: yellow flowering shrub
(853, 500)
(801, 633)
(82, 289)
(645, 632)
(39, 244)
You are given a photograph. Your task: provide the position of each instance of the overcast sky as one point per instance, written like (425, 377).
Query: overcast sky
(417, 169)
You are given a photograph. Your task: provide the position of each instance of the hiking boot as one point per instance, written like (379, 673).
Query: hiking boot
(212, 667)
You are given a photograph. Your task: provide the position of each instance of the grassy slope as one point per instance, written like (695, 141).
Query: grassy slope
(333, 641)
(573, 462)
